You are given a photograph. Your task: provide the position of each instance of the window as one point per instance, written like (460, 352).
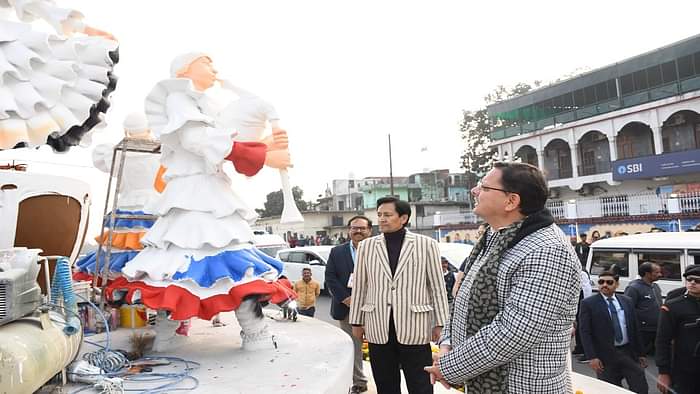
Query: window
(693, 257)
(579, 98)
(351, 184)
(654, 76)
(669, 261)
(685, 67)
(337, 220)
(640, 80)
(626, 84)
(668, 72)
(601, 91)
(312, 257)
(284, 256)
(615, 261)
(297, 257)
(589, 93)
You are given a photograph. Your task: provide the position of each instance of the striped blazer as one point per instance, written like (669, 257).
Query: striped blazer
(415, 294)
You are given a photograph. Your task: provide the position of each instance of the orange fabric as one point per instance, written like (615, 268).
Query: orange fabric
(125, 241)
(159, 183)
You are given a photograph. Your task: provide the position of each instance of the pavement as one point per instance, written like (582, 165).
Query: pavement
(323, 313)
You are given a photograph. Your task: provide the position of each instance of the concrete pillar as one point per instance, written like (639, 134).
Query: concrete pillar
(540, 159)
(574, 160)
(613, 148)
(658, 141)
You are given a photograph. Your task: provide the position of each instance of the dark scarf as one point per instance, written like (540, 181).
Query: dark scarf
(483, 297)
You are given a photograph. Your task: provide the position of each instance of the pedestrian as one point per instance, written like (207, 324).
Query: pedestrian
(339, 273)
(398, 300)
(307, 290)
(678, 339)
(468, 239)
(595, 235)
(449, 278)
(611, 338)
(646, 299)
(510, 330)
(582, 249)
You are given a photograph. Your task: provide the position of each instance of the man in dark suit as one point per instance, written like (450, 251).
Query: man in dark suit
(339, 269)
(611, 337)
(582, 248)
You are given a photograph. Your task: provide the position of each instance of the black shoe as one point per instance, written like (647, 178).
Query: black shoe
(358, 389)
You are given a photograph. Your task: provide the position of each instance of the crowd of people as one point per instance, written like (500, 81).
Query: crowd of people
(295, 239)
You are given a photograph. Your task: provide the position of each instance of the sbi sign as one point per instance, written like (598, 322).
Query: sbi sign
(629, 168)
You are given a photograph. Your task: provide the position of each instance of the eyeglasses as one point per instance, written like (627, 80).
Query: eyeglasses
(695, 279)
(608, 282)
(356, 228)
(487, 188)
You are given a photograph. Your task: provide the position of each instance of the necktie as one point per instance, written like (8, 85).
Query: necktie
(616, 322)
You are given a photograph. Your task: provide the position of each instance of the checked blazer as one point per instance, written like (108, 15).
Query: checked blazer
(415, 295)
(538, 285)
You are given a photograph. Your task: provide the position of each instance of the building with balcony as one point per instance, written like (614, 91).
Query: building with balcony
(344, 195)
(438, 185)
(621, 143)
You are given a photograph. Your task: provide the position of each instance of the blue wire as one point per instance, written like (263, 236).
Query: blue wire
(145, 377)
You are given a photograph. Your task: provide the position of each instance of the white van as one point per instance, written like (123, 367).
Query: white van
(623, 255)
(269, 244)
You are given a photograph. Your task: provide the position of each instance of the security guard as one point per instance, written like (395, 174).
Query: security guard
(678, 339)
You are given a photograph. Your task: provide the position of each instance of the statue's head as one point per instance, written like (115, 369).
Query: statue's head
(195, 66)
(136, 126)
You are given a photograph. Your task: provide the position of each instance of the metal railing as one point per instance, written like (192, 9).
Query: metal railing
(629, 205)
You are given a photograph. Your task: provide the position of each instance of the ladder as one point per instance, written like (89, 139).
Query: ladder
(109, 217)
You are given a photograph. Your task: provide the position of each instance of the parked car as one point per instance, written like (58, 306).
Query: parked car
(295, 259)
(316, 257)
(623, 255)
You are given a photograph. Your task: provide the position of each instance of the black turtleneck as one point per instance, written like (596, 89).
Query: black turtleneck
(393, 246)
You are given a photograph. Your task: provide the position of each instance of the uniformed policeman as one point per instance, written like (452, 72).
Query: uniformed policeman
(678, 339)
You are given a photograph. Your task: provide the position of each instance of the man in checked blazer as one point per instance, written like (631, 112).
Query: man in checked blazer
(510, 329)
(398, 300)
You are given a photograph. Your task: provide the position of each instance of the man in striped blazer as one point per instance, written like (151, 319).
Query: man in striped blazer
(398, 300)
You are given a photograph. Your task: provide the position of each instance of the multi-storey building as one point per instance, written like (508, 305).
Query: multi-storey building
(620, 144)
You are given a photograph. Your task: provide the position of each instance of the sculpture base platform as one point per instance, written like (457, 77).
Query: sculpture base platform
(311, 357)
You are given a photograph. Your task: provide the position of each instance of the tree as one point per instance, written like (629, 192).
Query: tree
(476, 127)
(275, 202)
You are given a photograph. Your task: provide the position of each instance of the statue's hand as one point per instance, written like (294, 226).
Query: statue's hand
(278, 159)
(277, 141)
(91, 31)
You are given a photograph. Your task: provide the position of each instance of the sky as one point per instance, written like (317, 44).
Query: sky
(345, 74)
